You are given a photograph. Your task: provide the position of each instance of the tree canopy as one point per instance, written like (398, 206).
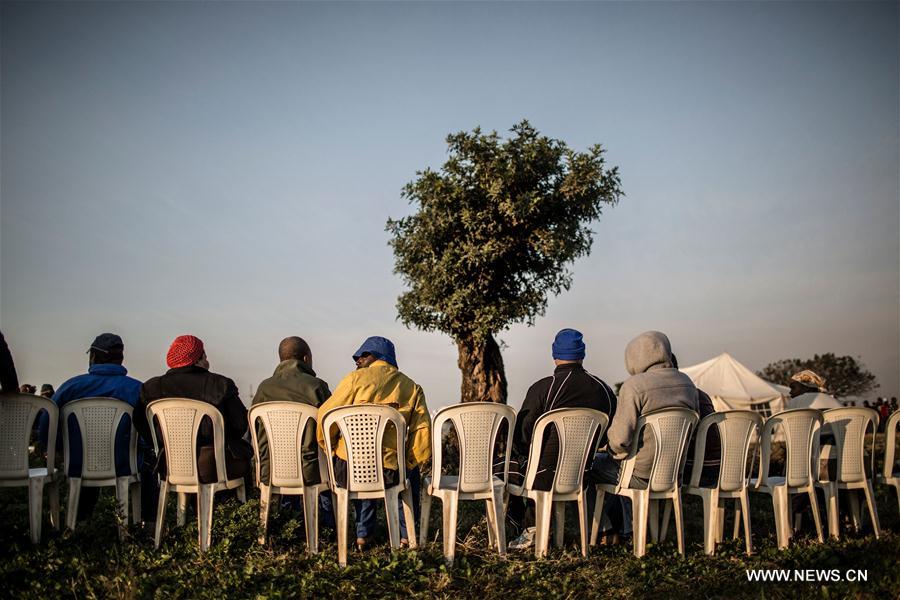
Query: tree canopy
(844, 375)
(495, 229)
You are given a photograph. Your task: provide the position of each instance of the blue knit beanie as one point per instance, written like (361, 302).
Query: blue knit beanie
(568, 345)
(379, 347)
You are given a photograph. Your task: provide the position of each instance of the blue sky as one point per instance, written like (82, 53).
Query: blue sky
(227, 170)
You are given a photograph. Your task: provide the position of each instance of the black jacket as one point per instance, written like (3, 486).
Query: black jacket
(9, 383)
(570, 386)
(197, 383)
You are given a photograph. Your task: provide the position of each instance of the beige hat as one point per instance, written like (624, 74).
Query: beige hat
(809, 379)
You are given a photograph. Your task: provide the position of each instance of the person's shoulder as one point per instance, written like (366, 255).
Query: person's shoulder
(542, 383)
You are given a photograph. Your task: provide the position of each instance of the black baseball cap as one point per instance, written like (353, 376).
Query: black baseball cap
(107, 343)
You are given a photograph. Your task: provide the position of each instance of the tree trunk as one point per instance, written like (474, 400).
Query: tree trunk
(481, 363)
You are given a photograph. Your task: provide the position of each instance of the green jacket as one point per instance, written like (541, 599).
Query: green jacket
(293, 381)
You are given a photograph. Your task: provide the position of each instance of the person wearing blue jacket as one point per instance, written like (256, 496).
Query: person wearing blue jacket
(108, 378)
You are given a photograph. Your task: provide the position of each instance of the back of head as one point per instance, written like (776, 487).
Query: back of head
(294, 348)
(650, 349)
(569, 346)
(379, 347)
(186, 350)
(107, 348)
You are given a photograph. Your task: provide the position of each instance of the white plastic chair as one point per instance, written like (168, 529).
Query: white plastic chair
(737, 428)
(477, 425)
(577, 429)
(285, 424)
(362, 427)
(17, 415)
(801, 438)
(179, 422)
(671, 428)
(98, 421)
(849, 425)
(888, 477)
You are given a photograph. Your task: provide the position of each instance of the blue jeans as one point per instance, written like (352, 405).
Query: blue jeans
(365, 509)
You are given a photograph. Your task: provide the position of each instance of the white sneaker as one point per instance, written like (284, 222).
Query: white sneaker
(524, 541)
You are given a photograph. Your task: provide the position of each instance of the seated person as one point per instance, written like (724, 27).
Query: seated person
(654, 384)
(377, 380)
(570, 386)
(106, 378)
(189, 377)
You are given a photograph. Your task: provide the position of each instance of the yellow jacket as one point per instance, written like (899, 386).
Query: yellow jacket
(381, 383)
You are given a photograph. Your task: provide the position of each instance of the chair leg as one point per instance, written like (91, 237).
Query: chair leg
(543, 502)
(873, 509)
(582, 523)
(817, 518)
(265, 499)
(720, 522)
(653, 521)
(204, 515)
(35, 507)
(392, 516)
(559, 523)
(409, 515)
(54, 504)
(424, 518)
(832, 509)
(122, 486)
(780, 508)
(736, 532)
(489, 515)
(854, 510)
(72, 505)
(709, 529)
(311, 519)
(342, 517)
(664, 526)
(679, 520)
(499, 521)
(641, 502)
(449, 505)
(135, 491)
(241, 492)
(598, 513)
(161, 511)
(181, 510)
(745, 510)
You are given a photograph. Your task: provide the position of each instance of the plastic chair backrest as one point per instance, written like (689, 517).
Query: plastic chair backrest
(671, 428)
(849, 425)
(17, 415)
(890, 443)
(98, 420)
(362, 428)
(801, 428)
(736, 429)
(577, 429)
(179, 422)
(284, 424)
(477, 425)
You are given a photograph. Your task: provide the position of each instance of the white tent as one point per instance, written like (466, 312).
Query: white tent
(731, 385)
(813, 400)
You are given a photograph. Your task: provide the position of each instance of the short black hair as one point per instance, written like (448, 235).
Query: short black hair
(293, 348)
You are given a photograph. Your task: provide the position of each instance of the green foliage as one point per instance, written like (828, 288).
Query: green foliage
(495, 229)
(844, 375)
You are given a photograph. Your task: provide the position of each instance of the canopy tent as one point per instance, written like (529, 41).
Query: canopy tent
(731, 385)
(813, 400)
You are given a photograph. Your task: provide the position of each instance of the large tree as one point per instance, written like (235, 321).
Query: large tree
(844, 375)
(493, 234)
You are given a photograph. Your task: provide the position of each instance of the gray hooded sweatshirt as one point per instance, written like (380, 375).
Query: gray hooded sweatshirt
(654, 384)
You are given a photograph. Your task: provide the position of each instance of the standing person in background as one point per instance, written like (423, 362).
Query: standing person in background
(377, 380)
(189, 377)
(570, 386)
(9, 381)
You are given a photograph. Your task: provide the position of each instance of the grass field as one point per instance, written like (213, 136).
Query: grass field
(92, 563)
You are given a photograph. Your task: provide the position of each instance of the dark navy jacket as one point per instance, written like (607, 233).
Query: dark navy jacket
(108, 381)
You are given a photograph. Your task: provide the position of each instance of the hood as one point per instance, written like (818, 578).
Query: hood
(646, 351)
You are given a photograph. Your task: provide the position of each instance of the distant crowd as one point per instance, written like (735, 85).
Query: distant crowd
(654, 383)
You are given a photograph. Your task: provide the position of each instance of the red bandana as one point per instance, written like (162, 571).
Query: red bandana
(184, 351)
